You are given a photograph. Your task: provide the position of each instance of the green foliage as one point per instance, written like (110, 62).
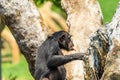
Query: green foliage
(55, 7)
(18, 71)
(40, 2)
(108, 9)
(57, 2)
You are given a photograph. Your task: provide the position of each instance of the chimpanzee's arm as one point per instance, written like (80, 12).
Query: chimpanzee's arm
(58, 60)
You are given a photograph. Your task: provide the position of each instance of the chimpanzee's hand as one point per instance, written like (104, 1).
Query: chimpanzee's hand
(79, 56)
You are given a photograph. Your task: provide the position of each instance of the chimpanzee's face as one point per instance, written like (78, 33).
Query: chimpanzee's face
(66, 42)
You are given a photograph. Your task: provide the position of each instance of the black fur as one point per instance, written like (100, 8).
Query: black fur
(50, 59)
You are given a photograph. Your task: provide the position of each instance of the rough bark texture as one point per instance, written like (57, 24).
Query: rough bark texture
(84, 18)
(102, 58)
(103, 54)
(24, 21)
(112, 67)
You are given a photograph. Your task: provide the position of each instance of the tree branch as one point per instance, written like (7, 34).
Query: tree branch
(102, 58)
(112, 67)
(24, 21)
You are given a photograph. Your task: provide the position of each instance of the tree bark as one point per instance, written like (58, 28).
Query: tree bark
(84, 18)
(24, 21)
(112, 67)
(103, 50)
(102, 58)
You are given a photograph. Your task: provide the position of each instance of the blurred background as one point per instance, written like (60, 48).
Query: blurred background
(14, 65)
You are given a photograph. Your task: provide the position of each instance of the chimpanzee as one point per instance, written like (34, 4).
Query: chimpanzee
(50, 59)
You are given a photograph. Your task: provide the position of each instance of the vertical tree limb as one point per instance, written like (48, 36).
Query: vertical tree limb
(84, 18)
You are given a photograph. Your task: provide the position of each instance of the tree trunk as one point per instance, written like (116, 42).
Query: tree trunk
(84, 18)
(24, 21)
(103, 52)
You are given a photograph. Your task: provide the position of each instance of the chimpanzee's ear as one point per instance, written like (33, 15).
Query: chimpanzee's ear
(62, 38)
